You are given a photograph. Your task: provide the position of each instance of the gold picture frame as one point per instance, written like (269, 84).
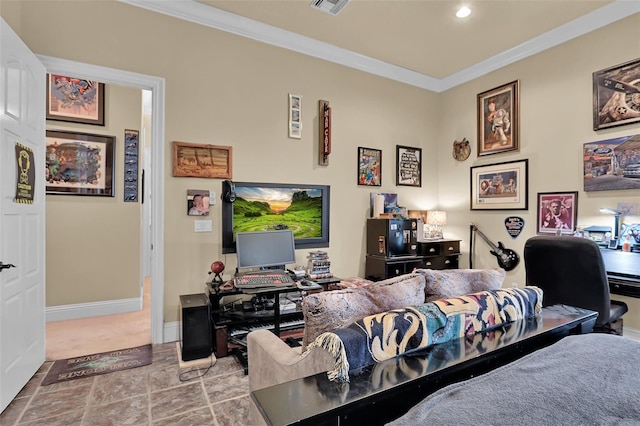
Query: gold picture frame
(202, 160)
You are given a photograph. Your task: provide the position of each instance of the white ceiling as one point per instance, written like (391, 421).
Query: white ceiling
(418, 42)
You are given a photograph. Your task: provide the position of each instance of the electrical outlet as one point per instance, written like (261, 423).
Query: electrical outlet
(212, 198)
(202, 226)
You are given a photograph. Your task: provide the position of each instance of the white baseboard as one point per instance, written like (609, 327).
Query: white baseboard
(631, 333)
(171, 332)
(93, 309)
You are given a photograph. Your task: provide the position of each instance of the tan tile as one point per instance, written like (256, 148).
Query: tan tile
(13, 411)
(169, 402)
(32, 385)
(232, 412)
(223, 387)
(69, 418)
(50, 404)
(164, 378)
(120, 385)
(200, 417)
(69, 384)
(130, 411)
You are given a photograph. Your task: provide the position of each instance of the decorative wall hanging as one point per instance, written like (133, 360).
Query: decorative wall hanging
(79, 163)
(612, 164)
(557, 212)
(199, 160)
(131, 164)
(324, 112)
(461, 149)
(369, 166)
(75, 99)
(500, 186)
(499, 119)
(514, 225)
(295, 116)
(616, 95)
(26, 174)
(408, 166)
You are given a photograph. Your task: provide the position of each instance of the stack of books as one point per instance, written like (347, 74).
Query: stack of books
(318, 265)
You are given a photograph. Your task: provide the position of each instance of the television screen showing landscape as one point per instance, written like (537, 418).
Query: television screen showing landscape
(265, 208)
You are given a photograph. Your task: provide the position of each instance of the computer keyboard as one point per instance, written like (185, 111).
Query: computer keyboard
(263, 279)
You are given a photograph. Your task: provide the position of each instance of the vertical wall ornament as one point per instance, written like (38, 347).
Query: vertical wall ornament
(324, 113)
(295, 116)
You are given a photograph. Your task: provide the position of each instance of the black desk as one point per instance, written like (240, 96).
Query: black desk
(623, 271)
(382, 392)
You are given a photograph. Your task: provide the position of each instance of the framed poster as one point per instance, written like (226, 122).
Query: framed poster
(200, 160)
(500, 186)
(499, 119)
(75, 99)
(369, 166)
(557, 212)
(611, 164)
(131, 164)
(408, 166)
(616, 95)
(79, 163)
(295, 116)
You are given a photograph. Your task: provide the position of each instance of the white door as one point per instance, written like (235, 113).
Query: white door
(22, 223)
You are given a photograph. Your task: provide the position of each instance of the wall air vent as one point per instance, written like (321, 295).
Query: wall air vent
(332, 7)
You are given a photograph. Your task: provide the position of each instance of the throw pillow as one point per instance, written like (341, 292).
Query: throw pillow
(330, 310)
(441, 284)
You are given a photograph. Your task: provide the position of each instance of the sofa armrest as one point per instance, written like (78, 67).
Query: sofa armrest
(272, 361)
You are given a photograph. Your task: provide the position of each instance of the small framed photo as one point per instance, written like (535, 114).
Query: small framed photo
(616, 95)
(197, 202)
(295, 116)
(79, 163)
(557, 212)
(499, 119)
(500, 186)
(408, 166)
(369, 166)
(75, 100)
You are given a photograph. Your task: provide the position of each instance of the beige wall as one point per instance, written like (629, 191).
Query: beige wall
(93, 243)
(227, 90)
(556, 120)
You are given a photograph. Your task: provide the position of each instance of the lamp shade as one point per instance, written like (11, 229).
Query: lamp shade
(436, 217)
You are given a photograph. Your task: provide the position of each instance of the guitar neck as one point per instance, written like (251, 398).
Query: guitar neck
(486, 239)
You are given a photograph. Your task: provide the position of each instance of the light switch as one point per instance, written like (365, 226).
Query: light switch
(212, 198)
(203, 226)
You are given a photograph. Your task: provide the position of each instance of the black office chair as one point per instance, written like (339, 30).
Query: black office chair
(570, 271)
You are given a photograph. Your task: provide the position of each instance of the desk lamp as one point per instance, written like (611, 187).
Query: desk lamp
(435, 220)
(616, 227)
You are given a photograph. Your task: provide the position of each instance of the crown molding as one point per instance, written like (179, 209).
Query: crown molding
(192, 11)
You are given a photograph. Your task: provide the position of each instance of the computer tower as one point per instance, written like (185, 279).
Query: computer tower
(195, 327)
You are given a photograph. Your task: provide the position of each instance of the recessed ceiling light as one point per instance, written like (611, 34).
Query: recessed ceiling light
(463, 12)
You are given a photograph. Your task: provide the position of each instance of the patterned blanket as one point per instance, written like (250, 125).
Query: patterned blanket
(388, 334)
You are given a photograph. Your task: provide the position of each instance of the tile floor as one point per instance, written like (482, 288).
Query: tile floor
(149, 395)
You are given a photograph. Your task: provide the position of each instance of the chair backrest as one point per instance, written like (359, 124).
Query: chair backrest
(570, 271)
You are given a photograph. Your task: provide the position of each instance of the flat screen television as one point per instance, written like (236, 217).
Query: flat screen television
(301, 208)
(266, 249)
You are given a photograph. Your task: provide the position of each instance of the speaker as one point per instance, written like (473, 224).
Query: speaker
(195, 327)
(228, 191)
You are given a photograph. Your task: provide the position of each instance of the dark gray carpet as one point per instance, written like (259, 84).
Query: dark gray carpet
(592, 379)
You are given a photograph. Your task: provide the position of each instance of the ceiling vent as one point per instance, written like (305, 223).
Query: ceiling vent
(332, 7)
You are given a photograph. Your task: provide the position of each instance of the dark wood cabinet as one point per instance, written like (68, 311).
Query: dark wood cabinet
(438, 254)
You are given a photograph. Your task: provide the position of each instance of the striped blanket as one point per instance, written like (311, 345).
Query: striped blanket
(388, 334)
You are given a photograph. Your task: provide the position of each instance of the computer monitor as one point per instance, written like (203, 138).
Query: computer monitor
(265, 249)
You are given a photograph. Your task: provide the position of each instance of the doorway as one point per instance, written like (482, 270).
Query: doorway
(153, 222)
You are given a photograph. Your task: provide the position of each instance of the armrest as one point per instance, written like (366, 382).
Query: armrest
(271, 361)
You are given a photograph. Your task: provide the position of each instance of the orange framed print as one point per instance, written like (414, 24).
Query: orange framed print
(200, 160)
(75, 100)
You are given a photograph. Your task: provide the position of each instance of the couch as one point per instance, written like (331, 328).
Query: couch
(271, 361)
